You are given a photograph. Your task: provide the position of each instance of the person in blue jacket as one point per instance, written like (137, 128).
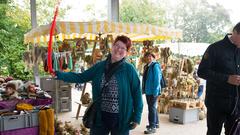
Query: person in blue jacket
(152, 88)
(121, 104)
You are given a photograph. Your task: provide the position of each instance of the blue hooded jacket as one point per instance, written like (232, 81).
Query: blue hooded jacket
(152, 83)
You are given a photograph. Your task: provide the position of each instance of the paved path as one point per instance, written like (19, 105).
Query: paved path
(166, 127)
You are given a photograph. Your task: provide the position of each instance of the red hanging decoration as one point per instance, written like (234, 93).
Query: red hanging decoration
(49, 60)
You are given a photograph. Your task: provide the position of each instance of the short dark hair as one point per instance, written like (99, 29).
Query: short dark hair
(126, 40)
(11, 85)
(237, 28)
(149, 53)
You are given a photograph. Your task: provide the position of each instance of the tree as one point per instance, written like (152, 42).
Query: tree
(142, 11)
(12, 27)
(94, 12)
(15, 22)
(199, 21)
(45, 10)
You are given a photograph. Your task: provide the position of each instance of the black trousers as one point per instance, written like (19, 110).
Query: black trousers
(219, 114)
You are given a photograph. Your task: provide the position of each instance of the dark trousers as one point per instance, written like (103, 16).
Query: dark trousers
(152, 110)
(102, 130)
(216, 118)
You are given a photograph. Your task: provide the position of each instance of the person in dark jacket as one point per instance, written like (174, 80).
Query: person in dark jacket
(152, 88)
(121, 104)
(220, 66)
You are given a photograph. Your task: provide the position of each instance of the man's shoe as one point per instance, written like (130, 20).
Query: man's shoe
(150, 131)
(148, 126)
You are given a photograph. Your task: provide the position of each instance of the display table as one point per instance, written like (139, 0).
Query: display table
(11, 104)
(22, 123)
(22, 131)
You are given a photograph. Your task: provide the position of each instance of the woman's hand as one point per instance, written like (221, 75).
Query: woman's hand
(53, 74)
(133, 125)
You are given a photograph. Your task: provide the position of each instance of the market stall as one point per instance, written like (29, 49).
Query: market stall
(80, 34)
(76, 38)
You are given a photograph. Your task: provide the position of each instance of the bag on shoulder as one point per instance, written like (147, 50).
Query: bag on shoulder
(163, 82)
(90, 114)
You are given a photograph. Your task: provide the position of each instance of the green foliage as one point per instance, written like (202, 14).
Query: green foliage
(21, 73)
(12, 27)
(45, 10)
(3, 1)
(200, 21)
(142, 11)
(15, 22)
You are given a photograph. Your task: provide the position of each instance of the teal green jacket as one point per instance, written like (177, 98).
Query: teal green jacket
(130, 96)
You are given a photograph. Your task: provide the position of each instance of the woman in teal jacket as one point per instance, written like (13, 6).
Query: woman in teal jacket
(121, 100)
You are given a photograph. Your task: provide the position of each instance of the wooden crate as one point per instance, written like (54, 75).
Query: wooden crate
(183, 104)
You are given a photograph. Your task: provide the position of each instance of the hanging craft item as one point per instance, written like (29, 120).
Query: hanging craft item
(188, 66)
(133, 51)
(61, 61)
(97, 56)
(78, 52)
(165, 53)
(89, 59)
(55, 62)
(28, 59)
(64, 47)
(75, 57)
(104, 46)
(70, 61)
(65, 63)
(50, 68)
(81, 46)
(147, 47)
(38, 53)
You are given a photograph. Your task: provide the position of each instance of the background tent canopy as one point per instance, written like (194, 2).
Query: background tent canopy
(72, 30)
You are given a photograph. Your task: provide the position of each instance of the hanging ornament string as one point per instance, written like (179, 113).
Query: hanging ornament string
(49, 60)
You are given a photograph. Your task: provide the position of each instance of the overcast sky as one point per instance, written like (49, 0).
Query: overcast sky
(78, 13)
(232, 6)
(78, 9)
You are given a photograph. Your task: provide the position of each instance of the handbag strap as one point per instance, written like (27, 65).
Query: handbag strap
(110, 73)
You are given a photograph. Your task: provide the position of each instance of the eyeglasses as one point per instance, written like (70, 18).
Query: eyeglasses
(120, 47)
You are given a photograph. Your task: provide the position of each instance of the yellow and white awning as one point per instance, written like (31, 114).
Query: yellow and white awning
(72, 30)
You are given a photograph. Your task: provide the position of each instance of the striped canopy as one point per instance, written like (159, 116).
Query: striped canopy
(89, 30)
